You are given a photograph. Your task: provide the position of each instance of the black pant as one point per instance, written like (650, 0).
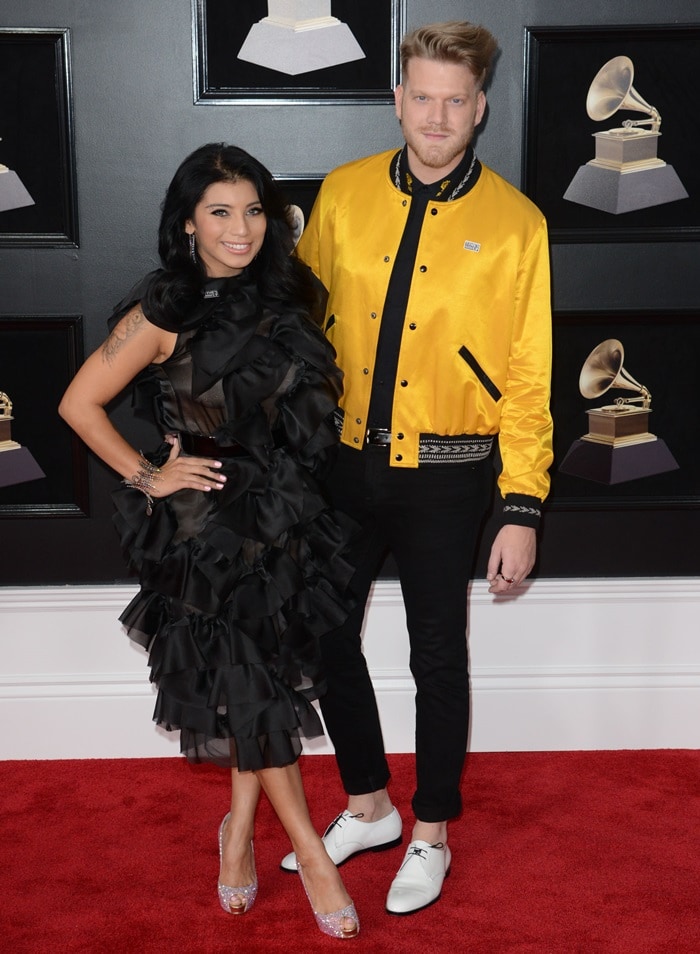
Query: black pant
(429, 518)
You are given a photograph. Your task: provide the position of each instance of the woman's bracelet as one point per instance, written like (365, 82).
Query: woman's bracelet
(145, 480)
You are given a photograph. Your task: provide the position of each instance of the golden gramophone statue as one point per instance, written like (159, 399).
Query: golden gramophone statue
(6, 442)
(619, 445)
(18, 466)
(626, 173)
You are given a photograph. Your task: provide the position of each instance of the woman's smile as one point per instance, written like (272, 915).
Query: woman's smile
(229, 227)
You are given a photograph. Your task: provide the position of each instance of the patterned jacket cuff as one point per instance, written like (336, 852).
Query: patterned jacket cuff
(521, 509)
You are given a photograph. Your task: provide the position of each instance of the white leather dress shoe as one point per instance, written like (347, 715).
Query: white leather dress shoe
(418, 882)
(347, 836)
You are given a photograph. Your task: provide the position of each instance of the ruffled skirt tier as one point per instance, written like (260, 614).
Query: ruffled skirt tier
(237, 587)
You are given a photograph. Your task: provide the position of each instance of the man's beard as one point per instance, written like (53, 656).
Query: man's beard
(438, 155)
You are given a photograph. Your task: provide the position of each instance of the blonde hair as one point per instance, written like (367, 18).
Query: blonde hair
(456, 41)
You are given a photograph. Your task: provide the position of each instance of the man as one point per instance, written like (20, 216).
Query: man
(439, 308)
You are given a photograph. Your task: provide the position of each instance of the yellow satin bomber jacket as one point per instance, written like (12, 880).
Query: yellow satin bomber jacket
(476, 347)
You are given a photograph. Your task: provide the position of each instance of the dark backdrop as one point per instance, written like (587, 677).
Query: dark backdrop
(135, 118)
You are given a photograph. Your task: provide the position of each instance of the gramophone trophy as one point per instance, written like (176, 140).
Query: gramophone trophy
(298, 36)
(626, 173)
(618, 446)
(16, 463)
(6, 442)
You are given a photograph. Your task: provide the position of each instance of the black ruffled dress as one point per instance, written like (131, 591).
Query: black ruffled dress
(238, 585)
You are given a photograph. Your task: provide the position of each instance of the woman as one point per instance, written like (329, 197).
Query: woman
(237, 552)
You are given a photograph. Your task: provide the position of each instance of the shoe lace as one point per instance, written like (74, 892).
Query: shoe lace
(339, 819)
(422, 852)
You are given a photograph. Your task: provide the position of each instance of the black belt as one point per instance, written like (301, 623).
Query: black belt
(432, 448)
(379, 436)
(199, 446)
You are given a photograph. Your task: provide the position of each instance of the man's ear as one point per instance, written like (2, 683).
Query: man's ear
(480, 107)
(398, 99)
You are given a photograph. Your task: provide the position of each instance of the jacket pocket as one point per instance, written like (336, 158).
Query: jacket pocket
(488, 384)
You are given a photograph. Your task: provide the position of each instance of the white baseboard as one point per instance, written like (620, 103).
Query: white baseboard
(565, 664)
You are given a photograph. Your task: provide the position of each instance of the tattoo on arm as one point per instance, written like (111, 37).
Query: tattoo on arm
(126, 329)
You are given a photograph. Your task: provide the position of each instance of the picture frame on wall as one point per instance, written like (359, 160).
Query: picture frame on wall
(611, 147)
(38, 198)
(296, 51)
(39, 356)
(613, 448)
(300, 191)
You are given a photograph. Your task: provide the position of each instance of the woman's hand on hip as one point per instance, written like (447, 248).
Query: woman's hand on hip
(181, 472)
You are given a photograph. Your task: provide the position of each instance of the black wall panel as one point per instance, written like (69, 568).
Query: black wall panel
(134, 119)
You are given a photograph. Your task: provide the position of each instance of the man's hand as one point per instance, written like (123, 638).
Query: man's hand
(512, 557)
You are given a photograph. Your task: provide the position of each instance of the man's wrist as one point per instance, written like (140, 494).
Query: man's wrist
(522, 510)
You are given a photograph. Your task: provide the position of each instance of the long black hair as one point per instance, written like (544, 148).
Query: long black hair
(279, 275)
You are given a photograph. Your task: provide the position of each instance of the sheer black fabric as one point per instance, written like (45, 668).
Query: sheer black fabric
(238, 585)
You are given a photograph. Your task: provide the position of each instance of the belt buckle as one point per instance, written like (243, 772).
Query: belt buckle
(382, 437)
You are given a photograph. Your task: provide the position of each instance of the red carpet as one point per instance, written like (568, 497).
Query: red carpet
(556, 853)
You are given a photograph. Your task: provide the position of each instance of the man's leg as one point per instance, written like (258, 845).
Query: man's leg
(434, 529)
(349, 706)
(434, 542)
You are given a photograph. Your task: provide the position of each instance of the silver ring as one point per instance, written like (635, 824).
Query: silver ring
(505, 578)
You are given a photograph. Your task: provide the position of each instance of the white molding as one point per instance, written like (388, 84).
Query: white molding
(564, 664)
(73, 686)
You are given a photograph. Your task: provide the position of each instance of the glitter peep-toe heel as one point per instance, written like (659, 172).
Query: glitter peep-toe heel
(247, 893)
(332, 924)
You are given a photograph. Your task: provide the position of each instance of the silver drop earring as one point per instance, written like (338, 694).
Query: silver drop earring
(193, 250)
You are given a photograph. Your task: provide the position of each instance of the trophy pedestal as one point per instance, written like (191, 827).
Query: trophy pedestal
(614, 192)
(17, 465)
(13, 195)
(303, 49)
(606, 464)
(625, 174)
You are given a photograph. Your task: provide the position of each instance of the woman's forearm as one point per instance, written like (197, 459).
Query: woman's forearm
(92, 424)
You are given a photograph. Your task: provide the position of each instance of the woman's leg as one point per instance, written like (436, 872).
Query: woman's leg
(237, 865)
(284, 788)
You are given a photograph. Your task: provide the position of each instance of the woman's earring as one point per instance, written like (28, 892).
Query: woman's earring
(193, 250)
